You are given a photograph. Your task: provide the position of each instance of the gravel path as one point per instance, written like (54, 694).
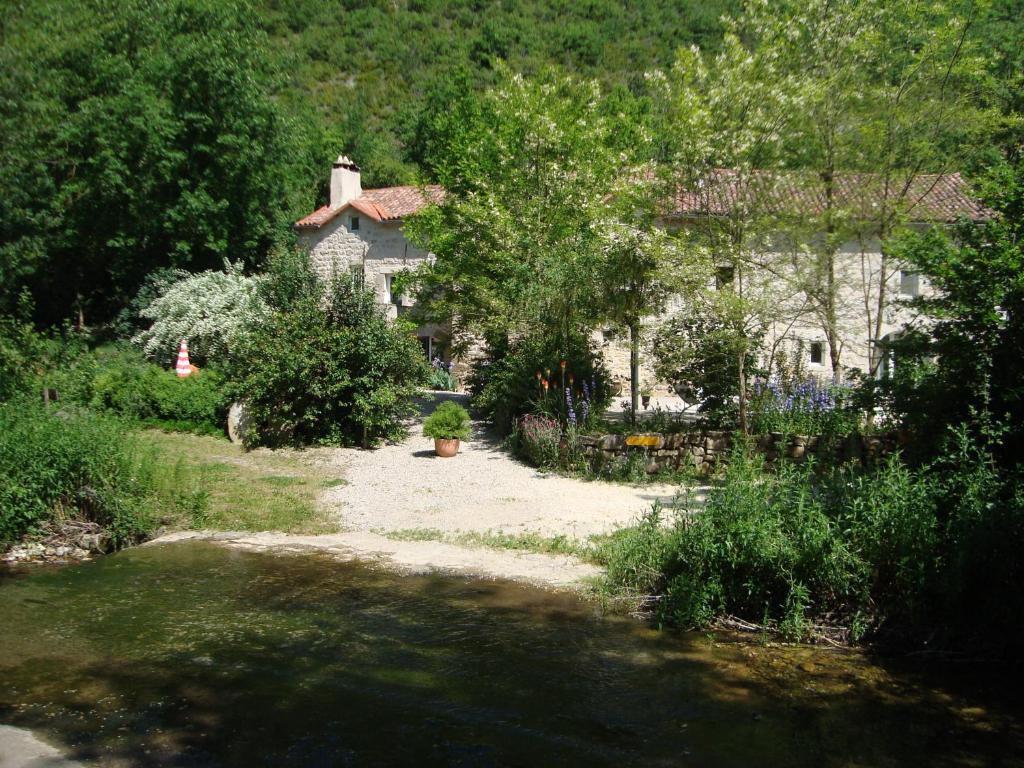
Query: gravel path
(405, 486)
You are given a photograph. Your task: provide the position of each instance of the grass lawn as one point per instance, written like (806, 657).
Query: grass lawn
(228, 489)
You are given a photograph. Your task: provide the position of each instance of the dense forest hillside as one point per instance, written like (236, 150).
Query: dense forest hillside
(369, 67)
(137, 135)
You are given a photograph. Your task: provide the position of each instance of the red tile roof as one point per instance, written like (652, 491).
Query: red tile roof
(929, 197)
(385, 204)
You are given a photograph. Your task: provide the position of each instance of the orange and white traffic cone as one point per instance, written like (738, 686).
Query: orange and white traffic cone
(184, 367)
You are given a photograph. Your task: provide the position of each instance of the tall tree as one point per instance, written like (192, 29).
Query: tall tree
(728, 114)
(528, 177)
(642, 271)
(158, 145)
(889, 91)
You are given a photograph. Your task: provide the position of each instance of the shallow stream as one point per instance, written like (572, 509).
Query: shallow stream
(192, 654)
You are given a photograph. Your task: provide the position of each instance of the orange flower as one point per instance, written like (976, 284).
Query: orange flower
(562, 363)
(545, 383)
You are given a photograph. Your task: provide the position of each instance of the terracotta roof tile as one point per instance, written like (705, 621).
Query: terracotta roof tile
(385, 204)
(930, 197)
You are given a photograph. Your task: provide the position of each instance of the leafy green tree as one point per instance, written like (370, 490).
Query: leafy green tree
(727, 115)
(528, 180)
(642, 271)
(887, 89)
(325, 368)
(154, 142)
(964, 365)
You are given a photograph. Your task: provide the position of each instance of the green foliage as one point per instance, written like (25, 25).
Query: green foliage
(968, 365)
(408, 66)
(517, 234)
(449, 421)
(131, 387)
(441, 378)
(326, 366)
(141, 135)
(698, 352)
(505, 385)
(71, 464)
(893, 550)
(20, 348)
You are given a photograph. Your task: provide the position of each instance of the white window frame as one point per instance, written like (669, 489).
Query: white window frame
(910, 283)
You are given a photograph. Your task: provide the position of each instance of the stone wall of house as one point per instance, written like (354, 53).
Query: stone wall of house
(380, 249)
(704, 450)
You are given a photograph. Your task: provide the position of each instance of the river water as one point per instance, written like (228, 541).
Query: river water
(192, 654)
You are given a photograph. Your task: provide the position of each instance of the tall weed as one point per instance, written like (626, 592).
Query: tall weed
(73, 464)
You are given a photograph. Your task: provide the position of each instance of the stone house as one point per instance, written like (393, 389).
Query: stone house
(359, 233)
(871, 289)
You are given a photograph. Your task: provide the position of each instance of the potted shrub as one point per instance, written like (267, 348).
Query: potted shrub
(448, 424)
(645, 395)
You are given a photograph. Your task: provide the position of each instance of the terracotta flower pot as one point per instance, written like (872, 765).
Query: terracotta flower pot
(446, 448)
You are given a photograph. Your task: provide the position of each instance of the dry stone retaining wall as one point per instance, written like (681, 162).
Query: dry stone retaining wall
(704, 450)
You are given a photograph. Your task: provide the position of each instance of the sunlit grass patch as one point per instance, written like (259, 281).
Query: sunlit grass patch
(525, 542)
(254, 491)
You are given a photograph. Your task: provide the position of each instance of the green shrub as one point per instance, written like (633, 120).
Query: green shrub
(72, 464)
(20, 348)
(926, 552)
(129, 386)
(450, 421)
(505, 385)
(326, 366)
(441, 378)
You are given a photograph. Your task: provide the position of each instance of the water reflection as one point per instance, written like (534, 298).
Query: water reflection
(195, 655)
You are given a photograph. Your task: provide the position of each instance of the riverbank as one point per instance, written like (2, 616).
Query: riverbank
(400, 507)
(481, 513)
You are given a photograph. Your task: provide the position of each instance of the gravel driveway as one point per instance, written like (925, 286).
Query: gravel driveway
(405, 486)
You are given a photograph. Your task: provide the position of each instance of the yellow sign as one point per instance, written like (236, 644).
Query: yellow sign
(646, 441)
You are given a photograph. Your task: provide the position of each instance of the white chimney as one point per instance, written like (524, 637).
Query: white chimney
(345, 184)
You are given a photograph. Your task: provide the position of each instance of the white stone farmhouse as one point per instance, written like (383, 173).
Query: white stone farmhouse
(795, 204)
(359, 233)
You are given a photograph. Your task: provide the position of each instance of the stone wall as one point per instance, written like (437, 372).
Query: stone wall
(379, 250)
(705, 449)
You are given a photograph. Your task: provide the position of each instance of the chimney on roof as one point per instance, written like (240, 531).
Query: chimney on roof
(345, 183)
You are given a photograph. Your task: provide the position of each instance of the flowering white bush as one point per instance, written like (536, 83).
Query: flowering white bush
(208, 309)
